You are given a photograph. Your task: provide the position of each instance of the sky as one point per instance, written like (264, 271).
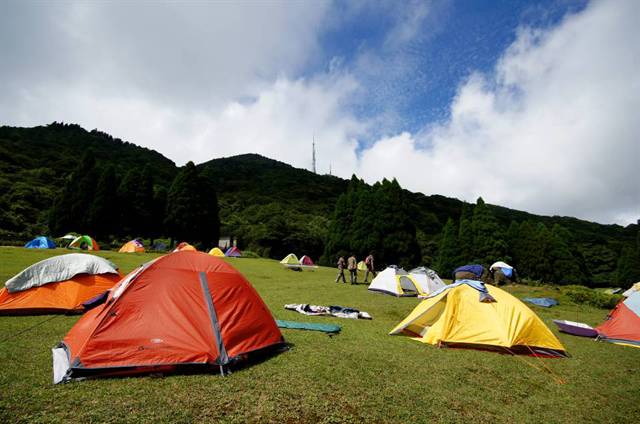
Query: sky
(532, 105)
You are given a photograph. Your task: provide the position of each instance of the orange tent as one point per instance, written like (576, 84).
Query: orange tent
(133, 246)
(61, 297)
(184, 246)
(182, 309)
(57, 284)
(623, 323)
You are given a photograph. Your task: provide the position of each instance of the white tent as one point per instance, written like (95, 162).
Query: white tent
(427, 278)
(397, 282)
(634, 288)
(500, 264)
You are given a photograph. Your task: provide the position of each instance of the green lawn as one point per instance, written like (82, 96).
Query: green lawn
(361, 375)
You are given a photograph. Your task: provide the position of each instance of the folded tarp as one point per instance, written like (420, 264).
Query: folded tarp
(575, 328)
(545, 302)
(336, 311)
(325, 328)
(59, 268)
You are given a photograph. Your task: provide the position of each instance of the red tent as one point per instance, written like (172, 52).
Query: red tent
(623, 324)
(305, 260)
(183, 309)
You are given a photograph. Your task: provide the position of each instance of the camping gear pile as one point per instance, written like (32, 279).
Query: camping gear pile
(335, 311)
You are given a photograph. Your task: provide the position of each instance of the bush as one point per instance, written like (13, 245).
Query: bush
(249, 254)
(584, 295)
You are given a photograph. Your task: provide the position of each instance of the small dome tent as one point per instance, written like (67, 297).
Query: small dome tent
(397, 282)
(305, 260)
(216, 252)
(292, 262)
(184, 309)
(502, 273)
(57, 285)
(84, 243)
(184, 246)
(233, 252)
(632, 289)
(41, 243)
(456, 317)
(428, 279)
(133, 246)
(623, 323)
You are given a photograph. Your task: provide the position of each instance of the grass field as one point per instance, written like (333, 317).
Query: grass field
(360, 375)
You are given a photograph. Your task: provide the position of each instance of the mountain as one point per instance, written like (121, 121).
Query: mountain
(272, 207)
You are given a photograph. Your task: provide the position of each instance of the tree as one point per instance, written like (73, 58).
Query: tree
(565, 268)
(192, 208)
(466, 235)
(628, 269)
(71, 207)
(488, 241)
(448, 252)
(136, 197)
(105, 210)
(376, 219)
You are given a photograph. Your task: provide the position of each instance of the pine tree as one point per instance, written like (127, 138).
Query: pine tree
(105, 211)
(448, 251)
(465, 235)
(488, 238)
(192, 208)
(565, 268)
(338, 241)
(628, 268)
(393, 235)
(71, 207)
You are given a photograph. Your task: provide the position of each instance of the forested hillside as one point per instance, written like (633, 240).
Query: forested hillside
(274, 208)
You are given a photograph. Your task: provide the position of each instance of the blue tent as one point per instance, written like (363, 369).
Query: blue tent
(545, 302)
(41, 243)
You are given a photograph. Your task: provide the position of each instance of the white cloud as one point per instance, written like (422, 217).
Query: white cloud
(553, 130)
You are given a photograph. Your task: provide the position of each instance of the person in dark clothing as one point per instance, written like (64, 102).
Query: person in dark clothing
(341, 265)
(370, 268)
(352, 266)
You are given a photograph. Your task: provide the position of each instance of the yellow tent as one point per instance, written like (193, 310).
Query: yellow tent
(133, 246)
(290, 259)
(456, 317)
(216, 252)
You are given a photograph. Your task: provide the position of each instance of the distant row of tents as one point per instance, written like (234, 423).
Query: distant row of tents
(85, 242)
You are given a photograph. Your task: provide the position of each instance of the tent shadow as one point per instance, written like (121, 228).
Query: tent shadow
(243, 362)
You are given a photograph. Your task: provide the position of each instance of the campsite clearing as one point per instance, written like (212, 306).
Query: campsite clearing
(360, 375)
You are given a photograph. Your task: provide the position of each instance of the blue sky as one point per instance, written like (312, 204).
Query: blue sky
(531, 105)
(455, 39)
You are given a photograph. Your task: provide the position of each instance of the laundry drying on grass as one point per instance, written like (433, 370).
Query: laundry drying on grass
(335, 311)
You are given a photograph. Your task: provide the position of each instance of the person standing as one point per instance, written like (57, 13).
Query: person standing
(341, 265)
(370, 268)
(352, 265)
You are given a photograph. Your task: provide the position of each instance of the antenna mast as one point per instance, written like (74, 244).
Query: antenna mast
(313, 154)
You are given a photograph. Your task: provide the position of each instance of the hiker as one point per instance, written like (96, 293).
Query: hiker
(341, 265)
(370, 269)
(352, 266)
